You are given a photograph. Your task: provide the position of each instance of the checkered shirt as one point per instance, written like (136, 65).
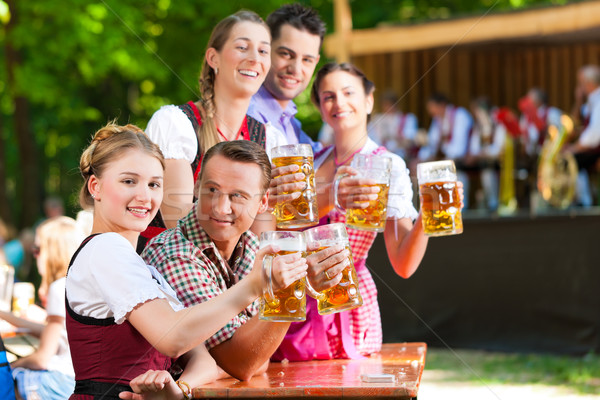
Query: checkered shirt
(191, 263)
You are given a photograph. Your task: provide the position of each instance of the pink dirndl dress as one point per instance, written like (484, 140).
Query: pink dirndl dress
(348, 334)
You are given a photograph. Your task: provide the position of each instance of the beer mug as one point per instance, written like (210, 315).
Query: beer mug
(373, 217)
(23, 297)
(7, 279)
(287, 304)
(301, 212)
(440, 201)
(345, 295)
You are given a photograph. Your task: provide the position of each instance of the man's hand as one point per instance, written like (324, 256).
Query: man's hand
(325, 267)
(287, 184)
(153, 385)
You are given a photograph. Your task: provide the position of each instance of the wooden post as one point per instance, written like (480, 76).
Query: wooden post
(342, 23)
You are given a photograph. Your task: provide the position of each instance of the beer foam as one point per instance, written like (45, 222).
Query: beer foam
(292, 244)
(332, 242)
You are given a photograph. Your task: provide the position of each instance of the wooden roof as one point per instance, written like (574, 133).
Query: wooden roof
(572, 20)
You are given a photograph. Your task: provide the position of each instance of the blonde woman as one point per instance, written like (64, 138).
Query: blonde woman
(48, 372)
(125, 323)
(235, 65)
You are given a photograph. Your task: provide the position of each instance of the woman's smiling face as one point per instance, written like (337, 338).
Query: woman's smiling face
(128, 194)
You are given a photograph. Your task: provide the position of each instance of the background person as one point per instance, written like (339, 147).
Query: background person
(394, 129)
(586, 149)
(448, 136)
(48, 372)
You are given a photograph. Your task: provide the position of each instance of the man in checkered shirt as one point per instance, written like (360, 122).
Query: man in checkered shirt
(212, 248)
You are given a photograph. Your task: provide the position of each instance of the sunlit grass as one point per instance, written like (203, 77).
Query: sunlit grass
(581, 374)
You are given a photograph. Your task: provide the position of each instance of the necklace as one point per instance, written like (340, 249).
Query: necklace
(225, 138)
(339, 164)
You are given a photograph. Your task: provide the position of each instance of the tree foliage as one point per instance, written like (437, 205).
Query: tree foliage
(81, 63)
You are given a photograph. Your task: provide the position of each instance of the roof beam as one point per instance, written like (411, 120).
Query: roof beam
(530, 23)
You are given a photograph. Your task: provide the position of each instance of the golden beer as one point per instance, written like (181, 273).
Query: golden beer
(377, 168)
(23, 297)
(440, 208)
(288, 304)
(343, 296)
(373, 217)
(301, 212)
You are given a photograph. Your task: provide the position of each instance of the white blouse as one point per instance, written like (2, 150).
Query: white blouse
(174, 133)
(109, 279)
(400, 197)
(61, 361)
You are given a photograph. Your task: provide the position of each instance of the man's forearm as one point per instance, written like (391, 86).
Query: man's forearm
(250, 347)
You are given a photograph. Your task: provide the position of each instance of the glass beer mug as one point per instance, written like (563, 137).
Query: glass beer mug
(345, 295)
(440, 201)
(287, 304)
(373, 217)
(301, 212)
(23, 297)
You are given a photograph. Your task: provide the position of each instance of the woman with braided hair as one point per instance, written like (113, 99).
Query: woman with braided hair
(125, 325)
(235, 65)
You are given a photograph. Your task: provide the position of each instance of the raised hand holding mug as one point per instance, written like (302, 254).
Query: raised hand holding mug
(302, 211)
(345, 295)
(440, 198)
(289, 303)
(378, 169)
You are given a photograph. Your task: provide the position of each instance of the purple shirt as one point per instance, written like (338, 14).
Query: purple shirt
(265, 108)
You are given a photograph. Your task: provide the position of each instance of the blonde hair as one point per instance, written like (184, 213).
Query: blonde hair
(108, 144)
(58, 238)
(208, 135)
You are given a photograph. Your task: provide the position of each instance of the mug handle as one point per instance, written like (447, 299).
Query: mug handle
(268, 291)
(312, 292)
(336, 185)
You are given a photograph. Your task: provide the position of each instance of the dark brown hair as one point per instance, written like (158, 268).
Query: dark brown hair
(327, 69)
(243, 151)
(300, 17)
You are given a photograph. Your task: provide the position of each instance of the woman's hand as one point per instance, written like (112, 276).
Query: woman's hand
(153, 385)
(325, 267)
(461, 193)
(355, 192)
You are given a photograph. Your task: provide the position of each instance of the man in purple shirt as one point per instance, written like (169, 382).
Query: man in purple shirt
(297, 34)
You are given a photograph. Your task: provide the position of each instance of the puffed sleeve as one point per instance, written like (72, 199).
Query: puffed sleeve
(173, 132)
(400, 198)
(56, 298)
(123, 278)
(274, 138)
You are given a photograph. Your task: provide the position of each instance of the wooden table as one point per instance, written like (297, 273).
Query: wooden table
(333, 379)
(17, 341)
